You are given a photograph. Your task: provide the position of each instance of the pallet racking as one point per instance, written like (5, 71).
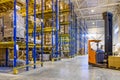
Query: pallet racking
(31, 8)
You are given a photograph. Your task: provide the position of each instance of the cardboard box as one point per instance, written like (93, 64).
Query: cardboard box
(66, 17)
(66, 29)
(114, 61)
(1, 37)
(10, 33)
(48, 5)
(2, 54)
(46, 57)
(7, 18)
(62, 30)
(1, 23)
(63, 5)
(8, 24)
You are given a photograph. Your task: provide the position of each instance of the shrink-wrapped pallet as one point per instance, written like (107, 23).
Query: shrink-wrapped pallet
(10, 33)
(8, 25)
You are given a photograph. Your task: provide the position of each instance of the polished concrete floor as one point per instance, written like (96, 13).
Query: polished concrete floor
(67, 69)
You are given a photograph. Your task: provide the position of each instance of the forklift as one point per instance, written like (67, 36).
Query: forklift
(95, 56)
(98, 56)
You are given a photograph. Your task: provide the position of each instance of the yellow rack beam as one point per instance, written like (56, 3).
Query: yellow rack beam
(11, 45)
(47, 29)
(65, 51)
(20, 44)
(64, 23)
(45, 12)
(64, 35)
(38, 46)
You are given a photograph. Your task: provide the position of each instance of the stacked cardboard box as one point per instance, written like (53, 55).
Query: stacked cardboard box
(62, 29)
(63, 6)
(48, 5)
(1, 29)
(61, 18)
(2, 57)
(8, 26)
(114, 61)
(64, 17)
(1, 36)
(1, 23)
(81, 51)
(48, 39)
(66, 29)
(46, 57)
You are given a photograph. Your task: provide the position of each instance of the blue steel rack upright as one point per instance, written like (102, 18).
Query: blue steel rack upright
(34, 54)
(53, 10)
(27, 43)
(14, 29)
(27, 25)
(83, 35)
(73, 31)
(57, 29)
(42, 33)
(76, 31)
(70, 6)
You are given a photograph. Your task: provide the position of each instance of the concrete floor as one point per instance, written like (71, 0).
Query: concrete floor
(67, 69)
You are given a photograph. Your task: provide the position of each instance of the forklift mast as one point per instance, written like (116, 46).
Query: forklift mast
(107, 16)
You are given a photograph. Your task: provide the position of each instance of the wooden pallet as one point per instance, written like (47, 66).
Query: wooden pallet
(11, 39)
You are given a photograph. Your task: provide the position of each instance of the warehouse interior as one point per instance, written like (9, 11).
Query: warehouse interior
(59, 40)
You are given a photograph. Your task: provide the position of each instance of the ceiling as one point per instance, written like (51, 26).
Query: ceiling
(91, 11)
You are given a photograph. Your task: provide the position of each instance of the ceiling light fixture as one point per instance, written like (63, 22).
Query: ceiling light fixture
(92, 10)
(93, 23)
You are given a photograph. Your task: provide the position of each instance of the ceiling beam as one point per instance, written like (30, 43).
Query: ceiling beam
(107, 5)
(97, 15)
(94, 20)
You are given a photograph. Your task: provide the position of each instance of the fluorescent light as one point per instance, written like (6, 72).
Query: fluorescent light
(93, 23)
(92, 10)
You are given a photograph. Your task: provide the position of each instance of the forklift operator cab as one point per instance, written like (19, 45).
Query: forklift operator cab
(95, 55)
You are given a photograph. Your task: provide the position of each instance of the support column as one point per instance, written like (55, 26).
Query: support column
(34, 57)
(42, 33)
(14, 29)
(57, 28)
(27, 49)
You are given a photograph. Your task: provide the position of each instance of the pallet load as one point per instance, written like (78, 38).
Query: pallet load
(66, 29)
(8, 27)
(1, 36)
(114, 62)
(1, 29)
(82, 51)
(2, 57)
